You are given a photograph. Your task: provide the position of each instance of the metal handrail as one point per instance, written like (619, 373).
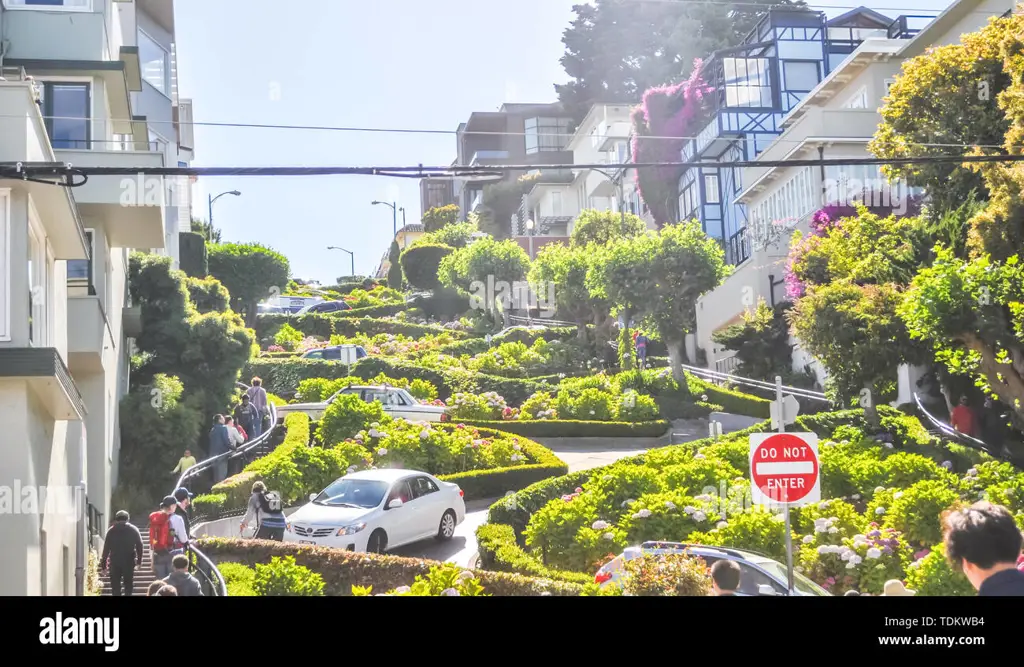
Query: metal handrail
(760, 384)
(206, 464)
(968, 440)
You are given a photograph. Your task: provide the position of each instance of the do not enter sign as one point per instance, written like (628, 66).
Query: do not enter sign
(784, 468)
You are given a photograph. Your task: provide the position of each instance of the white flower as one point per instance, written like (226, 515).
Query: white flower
(699, 456)
(699, 516)
(374, 433)
(874, 552)
(628, 502)
(721, 524)
(518, 448)
(351, 469)
(879, 489)
(898, 494)
(948, 465)
(704, 497)
(359, 437)
(880, 510)
(516, 457)
(642, 514)
(670, 505)
(607, 478)
(465, 575)
(799, 569)
(600, 525)
(383, 451)
(424, 434)
(824, 549)
(824, 504)
(609, 536)
(592, 412)
(374, 424)
(820, 525)
(833, 530)
(689, 509)
(403, 589)
(808, 539)
(972, 472)
(856, 496)
(704, 397)
(856, 560)
(846, 554)
(450, 592)
(478, 443)
(851, 565)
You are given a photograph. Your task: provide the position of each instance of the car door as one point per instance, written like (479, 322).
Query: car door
(400, 523)
(430, 505)
(381, 396)
(400, 407)
(751, 580)
(332, 353)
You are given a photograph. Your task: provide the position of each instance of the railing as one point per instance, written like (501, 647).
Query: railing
(727, 364)
(737, 248)
(213, 581)
(964, 439)
(908, 25)
(715, 376)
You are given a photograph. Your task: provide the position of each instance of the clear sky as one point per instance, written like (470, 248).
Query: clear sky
(343, 63)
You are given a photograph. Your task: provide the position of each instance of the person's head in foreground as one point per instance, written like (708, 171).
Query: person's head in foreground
(121, 517)
(180, 563)
(895, 588)
(725, 577)
(154, 587)
(167, 591)
(851, 594)
(982, 540)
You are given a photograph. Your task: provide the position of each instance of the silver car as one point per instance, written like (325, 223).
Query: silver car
(759, 575)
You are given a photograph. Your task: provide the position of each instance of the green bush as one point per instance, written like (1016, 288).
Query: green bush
(636, 407)
(192, 255)
(733, 402)
(239, 579)
(449, 382)
(863, 562)
(324, 325)
(567, 428)
(283, 577)
(933, 576)
(755, 530)
(485, 407)
(916, 511)
(341, 570)
(671, 515)
(208, 504)
(443, 580)
(347, 415)
(500, 552)
(288, 337)
(675, 575)
(420, 263)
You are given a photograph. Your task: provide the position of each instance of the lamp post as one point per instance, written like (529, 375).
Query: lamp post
(394, 214)
(405, 237)
(351, 254)
(530, 225)
(236, 193)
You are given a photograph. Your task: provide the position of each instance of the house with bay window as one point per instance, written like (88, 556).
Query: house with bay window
(77, 84)
(837, 119)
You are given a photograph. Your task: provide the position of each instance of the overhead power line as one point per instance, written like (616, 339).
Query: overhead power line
(65, 170)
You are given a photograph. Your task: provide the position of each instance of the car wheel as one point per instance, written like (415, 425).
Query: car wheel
(446, 530)
(378, 542)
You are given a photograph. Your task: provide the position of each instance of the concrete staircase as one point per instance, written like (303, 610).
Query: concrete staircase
(144, 575)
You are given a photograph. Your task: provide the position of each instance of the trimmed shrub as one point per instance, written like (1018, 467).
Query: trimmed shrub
(239, 579)
(324, 325)
(500, 552)
(284, 577)
(567, 428)
(192, 255)
(341, 570)
(443, 580)
(733, 402)
(420, 263)
(346, 416)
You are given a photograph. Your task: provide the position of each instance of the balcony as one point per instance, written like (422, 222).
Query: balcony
(608, 135)
(908, 26)
(45, 372)
(88, 334)
(488, 157)
(129, 208)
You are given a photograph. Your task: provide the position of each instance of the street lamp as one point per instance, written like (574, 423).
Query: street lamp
(236, 193)
(530, 224)
(352, 254)
(394, 213)
(405, 238)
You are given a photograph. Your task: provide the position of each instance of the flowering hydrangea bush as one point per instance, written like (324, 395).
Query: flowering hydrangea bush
(863, 562)
(539, 405)
(674, 575)
(477, 407)
(931, 575)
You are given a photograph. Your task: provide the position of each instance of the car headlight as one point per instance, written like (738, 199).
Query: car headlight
(351, 530)
(288, 526)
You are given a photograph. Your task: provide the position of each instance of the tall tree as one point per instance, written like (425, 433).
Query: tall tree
(395, 270)
(251, 272)
(208, 231)
(500, 202)
(603, 226)
(566, 270)
(617, 49)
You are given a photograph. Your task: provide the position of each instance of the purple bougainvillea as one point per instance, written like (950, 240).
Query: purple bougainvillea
(674, 111)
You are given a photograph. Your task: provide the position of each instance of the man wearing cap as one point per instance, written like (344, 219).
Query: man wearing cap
(184, 498)
(179, 538)
(122, 553)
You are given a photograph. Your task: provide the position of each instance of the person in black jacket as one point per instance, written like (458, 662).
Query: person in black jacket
(122, 547)
(984, 542)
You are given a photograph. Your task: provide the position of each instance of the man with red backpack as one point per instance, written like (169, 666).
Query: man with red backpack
(168, 536)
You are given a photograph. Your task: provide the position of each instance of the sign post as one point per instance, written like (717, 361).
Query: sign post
(784, 470)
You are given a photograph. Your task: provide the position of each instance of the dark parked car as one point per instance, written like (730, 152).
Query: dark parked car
(325, 307)
(332, 352)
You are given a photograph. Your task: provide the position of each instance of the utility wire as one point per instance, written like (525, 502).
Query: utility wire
(60, 170)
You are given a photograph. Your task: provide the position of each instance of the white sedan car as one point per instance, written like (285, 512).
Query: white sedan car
(398, 403)
(375, 510)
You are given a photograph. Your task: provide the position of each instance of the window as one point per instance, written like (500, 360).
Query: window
(859, 100)
(888, 85)
(400, 491)
(37, 273)
(801, 76)
(786, 205)
(66, 113)
(556, 204)
(157, 143)
(70, 5)
(422, 486)
(80, 270)
(751, 580)
(546, 134)
(711, 189)
(688, 201)
(748, 82)
(156, 64)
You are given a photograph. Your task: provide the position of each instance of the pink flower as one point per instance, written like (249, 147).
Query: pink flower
(579, 490)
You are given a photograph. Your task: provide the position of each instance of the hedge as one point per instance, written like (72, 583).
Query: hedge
(733, 402)
(192, 255)
(448, 382)
(499, 551)
(324, 325)
(282, 376)
(569, 428)
(343, 569)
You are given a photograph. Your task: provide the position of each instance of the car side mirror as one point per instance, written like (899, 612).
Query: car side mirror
(395, 504)
(312, 496)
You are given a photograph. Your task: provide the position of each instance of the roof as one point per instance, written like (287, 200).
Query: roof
(866, 12)
(414, 227)
(385, 474)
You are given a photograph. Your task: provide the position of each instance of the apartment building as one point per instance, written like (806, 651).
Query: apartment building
(73, 85)
(836, 119)
(435, 193)
(756, 84)
(527, 134)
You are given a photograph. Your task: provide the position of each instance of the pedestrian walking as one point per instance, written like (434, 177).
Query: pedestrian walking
(220, 443)
(267, 511)
(122, 553)
(184, 498)
(258, 397)
(184, 583)
(963, 418)
(235, 433)
(725, 577)
(641, 350)
(154, 587)
(184, 463)
(167, 536)
(984, 543)
(248, 416)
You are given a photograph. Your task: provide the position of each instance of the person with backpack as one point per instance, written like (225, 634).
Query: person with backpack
(641, 350)
(168, 536)
(122, 553)
(266, 508)
(248, 417)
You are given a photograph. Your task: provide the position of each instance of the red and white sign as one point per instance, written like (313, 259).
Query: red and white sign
(784, 468)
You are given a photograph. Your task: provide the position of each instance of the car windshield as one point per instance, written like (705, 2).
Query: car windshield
(802, 583)
(345, 492)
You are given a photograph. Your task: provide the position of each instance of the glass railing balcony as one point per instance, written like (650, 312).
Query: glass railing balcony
(908, 26)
